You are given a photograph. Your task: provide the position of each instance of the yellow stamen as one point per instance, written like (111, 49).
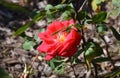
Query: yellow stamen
(61, 37)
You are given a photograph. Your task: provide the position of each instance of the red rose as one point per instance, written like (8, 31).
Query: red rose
(59, 42)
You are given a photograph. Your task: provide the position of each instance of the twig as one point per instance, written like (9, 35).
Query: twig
(73, 70)
(31, 64)
(82, 6)
(26, 72)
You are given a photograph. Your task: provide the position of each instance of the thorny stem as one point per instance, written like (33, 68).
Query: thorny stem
(73, 70)
(82, 32)
(96, 72)
(106, 47)
(108, 54)
(77, 18)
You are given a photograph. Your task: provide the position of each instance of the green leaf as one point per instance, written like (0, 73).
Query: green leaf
(23, 28)
(101, 59)
(4, 74)
(116, 3)
(100, 17)
(48, 7)
(51, 12)
(54, 63)
(116, 12)
(40, 15)
(115, 33)
(82, 15)
(61, 6)
(27, 45)
(66, 15)
(75, 59)
(37, 39)
(95, 4)
(101, 28)
(60, 69)
(93, 50)
(15, 7)
(78, 53)
(36, 18)
(57, 65)
(116, 8)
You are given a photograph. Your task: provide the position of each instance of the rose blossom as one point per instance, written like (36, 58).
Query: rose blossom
(57, 41)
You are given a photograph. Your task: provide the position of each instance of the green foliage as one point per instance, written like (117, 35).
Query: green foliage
(60, 69)
(14, 7)
(100, 17)
(65, 11)
(37, 39)
(54, 63)
(66, 15)
(51, 12)
(62, 7)
(28, 44)
(101, 59)
(40, 15)
(4, 74)
(116, 11)
(92, 50)
(83, 15)
(116, 3)
(58, 66)
(102, 28)
(95, 4)
(115, 33)
(74, 59)
(23, 28)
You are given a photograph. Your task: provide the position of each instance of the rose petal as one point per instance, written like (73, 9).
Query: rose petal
(51, 43)
(67, 46)
(69, 53)
(71, 42)
(68, 23)
(71, 21)
(48, 57)
(46, 37)
(54, 27)
(75, 36)
(43, 47)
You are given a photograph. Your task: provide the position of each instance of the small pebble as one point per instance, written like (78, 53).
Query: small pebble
(18, 66)
(47, 70)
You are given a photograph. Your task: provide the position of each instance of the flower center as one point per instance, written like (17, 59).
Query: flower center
(61, 37)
